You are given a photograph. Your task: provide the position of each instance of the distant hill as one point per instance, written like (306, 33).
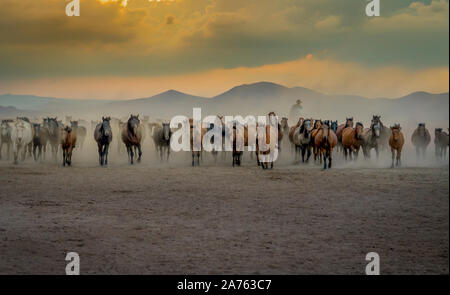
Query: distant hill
(257, 99)
(12, 112)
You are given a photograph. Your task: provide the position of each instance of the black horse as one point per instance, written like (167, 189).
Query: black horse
(103, 136)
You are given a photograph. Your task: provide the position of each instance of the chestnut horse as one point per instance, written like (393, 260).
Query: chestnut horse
(352, 139)
(396, 141)
(340, 128)
(326, 141)
(292, 129)
(316, 128)
(132, 137)
(68, 142)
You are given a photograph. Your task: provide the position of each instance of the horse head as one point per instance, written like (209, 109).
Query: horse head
(133, 124)
(421, 128)
(317, 124)
(36, 128)
(325, 131)
(5, 128)
(19, 127)
(359, 130)
(52, 125)
(334, 126)
(273, 119)
(166, 131)
(375, 127)
(74, 124)
(284, 122)
(349, 122)
(106, 127)
(396, 131)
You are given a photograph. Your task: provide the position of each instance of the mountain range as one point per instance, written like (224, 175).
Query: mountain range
(257, 99)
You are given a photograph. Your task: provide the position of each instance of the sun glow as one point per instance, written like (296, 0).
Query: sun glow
(123, 3)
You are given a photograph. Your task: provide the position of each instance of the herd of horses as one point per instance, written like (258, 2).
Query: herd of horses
(308, 137)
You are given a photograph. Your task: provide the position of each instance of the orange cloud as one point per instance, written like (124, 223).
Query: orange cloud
(323, 75)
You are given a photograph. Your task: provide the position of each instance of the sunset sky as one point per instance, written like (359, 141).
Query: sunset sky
(137, 48)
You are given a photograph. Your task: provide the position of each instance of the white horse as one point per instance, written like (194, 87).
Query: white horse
(22, 137)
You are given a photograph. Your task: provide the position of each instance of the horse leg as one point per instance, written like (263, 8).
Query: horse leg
(105, 154)
(198, 158)
(34, 152)
(257, 158)
(69, 156)
(15, 152)
(324, 161)
(1, 147)
(130, 153)
(24, 152)
(303, 153)
(330, 152)
(64, 157)
(100, 153)
(40, 152)
(399, 158)
(393, 157)
(193, 159)
(139, 153)
(168, 153)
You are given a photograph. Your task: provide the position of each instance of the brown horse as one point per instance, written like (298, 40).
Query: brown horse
(316, 128)
(352, 139)
(396, 141)
(326, 141)
(340, 129)
(292, 129)
(68, 142)
(132, 137)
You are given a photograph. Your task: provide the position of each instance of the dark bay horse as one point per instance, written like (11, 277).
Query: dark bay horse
(161, 137)
(132, 137)
(103, 136)
(68, 143)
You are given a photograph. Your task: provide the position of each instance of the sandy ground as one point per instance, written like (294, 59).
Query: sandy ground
(175, 219)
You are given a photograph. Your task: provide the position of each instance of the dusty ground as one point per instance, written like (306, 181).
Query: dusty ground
(223, 220)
